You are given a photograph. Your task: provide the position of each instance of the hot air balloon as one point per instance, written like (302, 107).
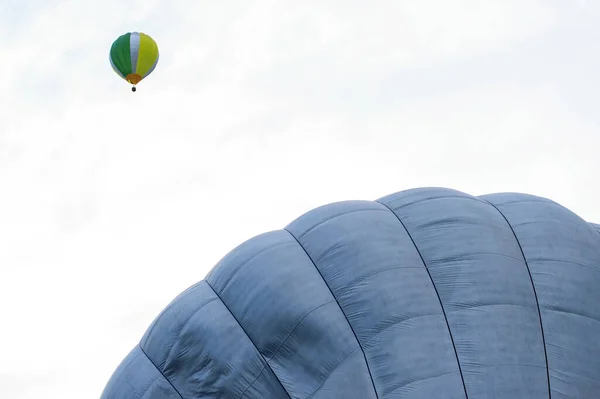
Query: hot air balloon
(426, 293)
(133, 56)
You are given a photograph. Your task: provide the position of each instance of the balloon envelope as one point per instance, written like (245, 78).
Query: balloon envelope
(133, 56)
(425, 293)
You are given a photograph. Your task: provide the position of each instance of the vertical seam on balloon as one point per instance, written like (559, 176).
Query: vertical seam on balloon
(342, 310)
(283, 342)
(534, 292)
(437, 294)
(183, 327)
(154, 324)
(255, 347)
(160, 371)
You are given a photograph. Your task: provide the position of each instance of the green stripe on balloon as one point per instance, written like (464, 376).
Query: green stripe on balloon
(120, 54)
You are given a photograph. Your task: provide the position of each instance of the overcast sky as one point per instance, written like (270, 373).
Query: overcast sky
(113, 202)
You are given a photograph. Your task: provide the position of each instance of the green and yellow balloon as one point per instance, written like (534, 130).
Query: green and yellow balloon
(133, 56)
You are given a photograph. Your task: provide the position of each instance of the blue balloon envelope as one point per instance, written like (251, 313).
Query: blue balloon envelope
(426, 293)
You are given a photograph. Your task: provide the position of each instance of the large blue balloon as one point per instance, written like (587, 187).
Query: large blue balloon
(426, 293)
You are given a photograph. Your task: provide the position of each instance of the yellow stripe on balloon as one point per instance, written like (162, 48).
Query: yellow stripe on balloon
(147, 55)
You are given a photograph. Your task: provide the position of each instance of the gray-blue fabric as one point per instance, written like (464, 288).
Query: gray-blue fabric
(426, 293)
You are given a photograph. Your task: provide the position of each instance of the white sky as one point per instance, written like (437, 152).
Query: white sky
(113, 202)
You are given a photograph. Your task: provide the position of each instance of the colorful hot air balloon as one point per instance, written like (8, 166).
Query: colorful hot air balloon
(133, 56)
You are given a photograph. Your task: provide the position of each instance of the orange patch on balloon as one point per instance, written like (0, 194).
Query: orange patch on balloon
(133, 78)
